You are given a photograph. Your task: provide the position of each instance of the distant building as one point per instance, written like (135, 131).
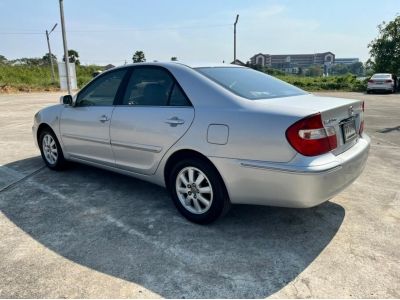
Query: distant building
(346, 61)
(293, 63)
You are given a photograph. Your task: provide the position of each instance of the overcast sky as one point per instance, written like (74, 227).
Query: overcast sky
(110, 31)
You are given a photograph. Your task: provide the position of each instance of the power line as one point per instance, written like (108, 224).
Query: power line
(12, 33)
(121, 29)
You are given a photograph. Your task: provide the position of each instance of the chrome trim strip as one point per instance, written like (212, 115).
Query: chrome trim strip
(295, 170)
(148, 148)
(91, 160)
(87, 139)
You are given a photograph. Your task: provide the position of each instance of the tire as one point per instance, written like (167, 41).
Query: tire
(201, 201)
(50, 150)
(368, 92)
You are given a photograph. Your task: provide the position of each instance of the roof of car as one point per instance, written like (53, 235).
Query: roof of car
(190, 65)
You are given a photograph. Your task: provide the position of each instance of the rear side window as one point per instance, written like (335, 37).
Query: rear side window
(148, 86)
(153, 86)
(177, 97)
(102, 91)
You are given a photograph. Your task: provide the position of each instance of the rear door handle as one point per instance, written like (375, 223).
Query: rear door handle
(174, 121)
(104, 119)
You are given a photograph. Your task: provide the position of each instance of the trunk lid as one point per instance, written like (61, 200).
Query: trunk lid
(335, 112)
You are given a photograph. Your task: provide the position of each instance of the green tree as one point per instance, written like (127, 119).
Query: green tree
(339, 69)
(385, 49)
(138, 57)
(174, 58)
(46, 58)
(314, 70)
(73, 57)
(3, 60)
(356, 68)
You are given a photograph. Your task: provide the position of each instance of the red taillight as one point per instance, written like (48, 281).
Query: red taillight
(309, 137)
(370, 81)
(362, 119)
(389, 81)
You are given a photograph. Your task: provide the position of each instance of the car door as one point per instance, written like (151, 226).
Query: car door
(85, 127)
(153, 114)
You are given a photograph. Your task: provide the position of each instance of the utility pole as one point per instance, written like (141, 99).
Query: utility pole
(53, 77)
(234, 39)
(65, 46)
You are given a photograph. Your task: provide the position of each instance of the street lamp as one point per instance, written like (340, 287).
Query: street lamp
(51, 56)
(65, 45)
(234, 39)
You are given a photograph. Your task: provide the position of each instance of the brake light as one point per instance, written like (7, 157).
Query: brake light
(389, 81)
(370, 81)
(309, 137)
(361, 127)
(362, 119)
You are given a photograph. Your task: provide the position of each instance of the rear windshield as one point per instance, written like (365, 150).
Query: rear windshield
(250, 84)
(382, 76)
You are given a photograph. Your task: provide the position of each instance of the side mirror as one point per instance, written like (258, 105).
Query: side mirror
(67, 100)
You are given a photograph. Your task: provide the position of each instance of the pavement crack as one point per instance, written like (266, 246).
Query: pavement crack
(13, 184)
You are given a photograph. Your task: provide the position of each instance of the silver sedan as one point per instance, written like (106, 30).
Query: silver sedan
(213, 135)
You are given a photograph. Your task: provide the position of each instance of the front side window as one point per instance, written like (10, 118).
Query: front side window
(250, 84)
(102, 91)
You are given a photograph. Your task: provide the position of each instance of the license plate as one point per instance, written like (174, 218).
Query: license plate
(349, 130)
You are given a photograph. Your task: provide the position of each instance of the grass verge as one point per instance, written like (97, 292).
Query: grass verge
(38, 78)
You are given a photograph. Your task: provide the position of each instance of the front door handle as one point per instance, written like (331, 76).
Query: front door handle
(104, 119)
(175, 121)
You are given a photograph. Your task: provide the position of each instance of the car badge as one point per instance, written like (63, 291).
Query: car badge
(329, 121)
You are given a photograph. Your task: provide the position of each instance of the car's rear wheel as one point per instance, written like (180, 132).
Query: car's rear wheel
(198, 191)
(51, 150)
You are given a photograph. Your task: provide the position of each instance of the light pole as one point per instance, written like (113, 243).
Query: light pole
(51, 56)
(234, 39)
(65, 46)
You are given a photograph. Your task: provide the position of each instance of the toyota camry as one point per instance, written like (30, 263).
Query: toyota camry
(213, 135)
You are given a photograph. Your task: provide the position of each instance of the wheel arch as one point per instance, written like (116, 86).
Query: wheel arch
(42, 127)
(189, 153)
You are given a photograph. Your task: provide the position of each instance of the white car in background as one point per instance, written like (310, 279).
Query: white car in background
(382, 82)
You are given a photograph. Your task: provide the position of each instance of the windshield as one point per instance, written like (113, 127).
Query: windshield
(250, 84)
(382, 76)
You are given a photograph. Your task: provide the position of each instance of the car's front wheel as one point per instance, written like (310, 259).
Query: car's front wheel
(51, 150)
(198, 191)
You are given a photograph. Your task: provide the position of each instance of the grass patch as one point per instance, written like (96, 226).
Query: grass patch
(38, 78)
(348, 83)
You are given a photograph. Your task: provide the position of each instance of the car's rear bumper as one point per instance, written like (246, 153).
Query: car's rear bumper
(286, 185)
(380, 87)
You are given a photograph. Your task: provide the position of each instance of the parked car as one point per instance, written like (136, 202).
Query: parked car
(214, 135)
(382, 82)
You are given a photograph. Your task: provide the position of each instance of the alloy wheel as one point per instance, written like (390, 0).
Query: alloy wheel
(49, 147)
(194, 190)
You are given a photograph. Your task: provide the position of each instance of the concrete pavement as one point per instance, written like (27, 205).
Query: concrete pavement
(86, 232)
